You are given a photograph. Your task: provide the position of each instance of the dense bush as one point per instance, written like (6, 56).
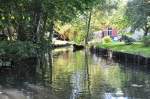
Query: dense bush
(22, 49)
(146, 40)
(128, 40)
(107, 39)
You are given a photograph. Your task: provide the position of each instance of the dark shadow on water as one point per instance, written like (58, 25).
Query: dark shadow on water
(29, 78)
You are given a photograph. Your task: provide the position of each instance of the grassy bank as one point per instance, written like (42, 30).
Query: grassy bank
(136, 48)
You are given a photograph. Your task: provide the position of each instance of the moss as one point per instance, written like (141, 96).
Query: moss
(136, 48)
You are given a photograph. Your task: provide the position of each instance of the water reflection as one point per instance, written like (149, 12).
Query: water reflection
(63, 74)
(81, 75)
(28, 79)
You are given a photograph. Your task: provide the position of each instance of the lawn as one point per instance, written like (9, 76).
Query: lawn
(136, 48)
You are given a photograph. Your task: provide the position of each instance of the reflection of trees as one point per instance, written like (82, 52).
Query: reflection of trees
(43, 77)
(87, 76)
(74, 73)
(133, 81)
(78, 76)
(136, 83)
(44, 67)
(27, 70)
(62, 70)
(23, 71)
(25, 79)
(98, 84)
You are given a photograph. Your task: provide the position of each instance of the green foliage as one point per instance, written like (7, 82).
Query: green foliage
(137, 14)
(21, 49)
(107, 39)
(79, 25)
(80, 38)
(75, 30)
(118, 18)
(136, 48)
(25, 15)
(128, 40)
(146, 40)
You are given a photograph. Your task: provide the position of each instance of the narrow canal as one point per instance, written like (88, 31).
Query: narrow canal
(78, 75)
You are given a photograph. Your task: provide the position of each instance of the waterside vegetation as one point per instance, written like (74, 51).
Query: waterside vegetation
(137, 48)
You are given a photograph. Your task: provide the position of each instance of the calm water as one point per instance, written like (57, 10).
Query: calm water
(77, 75)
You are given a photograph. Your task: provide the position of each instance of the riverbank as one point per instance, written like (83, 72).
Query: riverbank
(135, 54)
(135, 49)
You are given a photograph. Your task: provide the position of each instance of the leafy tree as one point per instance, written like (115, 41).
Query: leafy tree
(38, 16)
(119, 19)
(104, 6)
(138, 12)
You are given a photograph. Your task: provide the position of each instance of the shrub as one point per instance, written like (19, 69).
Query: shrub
(23, 49)
(146, 40)
(128, 40)
(107, 39)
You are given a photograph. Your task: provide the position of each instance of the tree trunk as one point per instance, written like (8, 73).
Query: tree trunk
(88, 27)
(146, 31)
(44, 30)
(51, 29)
(36, 28)
(21, 35)
(10, 32)
(37, 19)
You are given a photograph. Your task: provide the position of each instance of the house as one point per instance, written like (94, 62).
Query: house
(98, 35)
(109, 31)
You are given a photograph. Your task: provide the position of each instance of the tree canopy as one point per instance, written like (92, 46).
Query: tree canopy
(138, 13)
(36, 17)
